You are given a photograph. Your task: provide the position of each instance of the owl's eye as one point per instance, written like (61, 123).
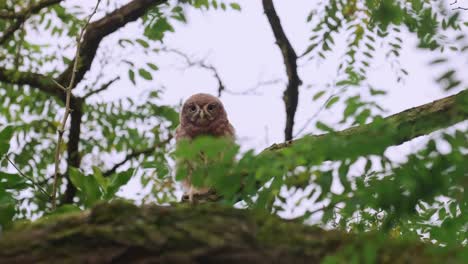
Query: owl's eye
(211, 107)
(192, 108)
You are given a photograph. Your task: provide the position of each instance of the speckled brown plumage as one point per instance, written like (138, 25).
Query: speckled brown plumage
(202, 114)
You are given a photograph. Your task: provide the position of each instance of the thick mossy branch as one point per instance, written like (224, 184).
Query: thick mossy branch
(122, 233)
(390, 131)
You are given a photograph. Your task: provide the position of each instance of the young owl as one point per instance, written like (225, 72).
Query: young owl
(202, 114)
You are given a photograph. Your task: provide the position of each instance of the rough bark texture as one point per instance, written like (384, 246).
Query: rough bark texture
(123, 233)
(291, 94)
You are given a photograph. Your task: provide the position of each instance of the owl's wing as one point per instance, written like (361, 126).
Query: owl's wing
(230, 132)
(180, 133)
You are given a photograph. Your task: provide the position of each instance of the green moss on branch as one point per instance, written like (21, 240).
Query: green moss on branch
(120, 232)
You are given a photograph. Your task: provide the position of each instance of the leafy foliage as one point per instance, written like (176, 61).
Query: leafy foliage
(342, 180)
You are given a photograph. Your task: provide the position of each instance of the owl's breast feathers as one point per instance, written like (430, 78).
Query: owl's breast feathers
(219, 128)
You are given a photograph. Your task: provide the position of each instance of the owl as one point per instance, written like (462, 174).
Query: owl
(202, 115)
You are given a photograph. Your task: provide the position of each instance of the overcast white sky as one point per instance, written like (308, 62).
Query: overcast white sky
(241, 46)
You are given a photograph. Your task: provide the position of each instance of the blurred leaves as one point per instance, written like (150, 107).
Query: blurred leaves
(95, 187)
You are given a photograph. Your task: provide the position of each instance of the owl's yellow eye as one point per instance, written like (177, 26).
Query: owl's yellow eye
(192, 108)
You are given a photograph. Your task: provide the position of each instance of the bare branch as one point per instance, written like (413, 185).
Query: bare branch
(291, 94)
(38, 186)
(221, 86)
(201, 64)
(459, 7)
(102, 88)
(307, 123)
(59, 85)
(135, 154)
(61, 130)
(254, 88)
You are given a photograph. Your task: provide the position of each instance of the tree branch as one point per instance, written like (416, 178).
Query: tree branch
(121, 233)
(68, 91)
(101, 28)
(201, 64)
(73, 153)
(291, 94)
(102, 88)
(22, 16)
(42, 82)
(135, 154)
(396, 129)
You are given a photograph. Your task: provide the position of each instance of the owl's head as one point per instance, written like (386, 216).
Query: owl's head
(202, 110)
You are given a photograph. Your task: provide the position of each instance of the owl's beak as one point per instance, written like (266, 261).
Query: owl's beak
(202, 114)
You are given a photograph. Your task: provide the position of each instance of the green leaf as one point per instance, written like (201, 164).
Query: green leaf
(12, 181)
(332, 101)
(156, 30)
(152, 66)
(143, 43)
(103, 182)
(5, 137)
(162, 168)
(76, 178)
(7, 208)
(118, 180)
(318, 95)
(235, 6)
(324, 181)
(131, 76)
(87, 185)
(438, 61)
(376, 92)
(145, 74)
(323, 127)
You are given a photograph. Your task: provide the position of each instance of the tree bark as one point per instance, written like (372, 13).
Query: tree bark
(398, 128)
(120, 232)
(291, 94)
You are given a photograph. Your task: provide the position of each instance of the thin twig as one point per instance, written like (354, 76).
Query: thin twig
(459, 7)
(201, 64)
(221, 86)
(27, 177)
(61, 130)
(135, 154)
(59, 85)
(254, 88)
(307, 123)
(103, 87)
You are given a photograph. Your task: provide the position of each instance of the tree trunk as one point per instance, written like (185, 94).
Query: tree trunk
(123, 233)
